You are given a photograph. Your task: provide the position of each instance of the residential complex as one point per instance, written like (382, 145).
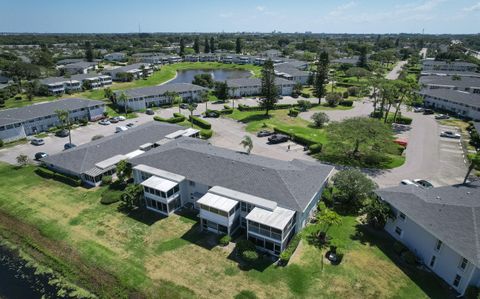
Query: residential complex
(440, 225)
(291, 72)
(468, 84)
(463, 104)
(75, 83)
(457, 66)
(135, 70)
(18, 123)
(117, 56)
(82, 67)
(154, 96)
(252, 87)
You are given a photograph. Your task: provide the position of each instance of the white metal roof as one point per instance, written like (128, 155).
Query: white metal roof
(146, 146)
(218, 202)
(159, 183)
(160, 173)
(277, 218)
(175, 134)
(110, 161)
(240, 196)
(134, 154)
(190, 132)
(162, 141)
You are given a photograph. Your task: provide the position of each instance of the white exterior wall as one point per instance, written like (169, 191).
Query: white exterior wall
(12, 134)
(466, 111)
(423, 245)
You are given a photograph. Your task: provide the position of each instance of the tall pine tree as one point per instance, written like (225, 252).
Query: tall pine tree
(212, 45)
(238, 46)
(269, 90)
(321, 76)
(207, 46)
(89, 52)
(196, 45)
(362, 58)
(182, 47)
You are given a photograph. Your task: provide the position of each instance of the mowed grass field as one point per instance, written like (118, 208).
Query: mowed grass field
(167, 72)
(155, 257)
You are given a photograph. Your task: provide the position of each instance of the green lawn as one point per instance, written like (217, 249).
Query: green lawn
(167, 72)
(141, 254)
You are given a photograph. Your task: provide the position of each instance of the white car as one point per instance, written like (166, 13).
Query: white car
(450, 134)
(407, 182)
(104, 122)
(121, 118)
(120, 129)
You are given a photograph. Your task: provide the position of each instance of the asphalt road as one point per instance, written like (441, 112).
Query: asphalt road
(395, 72)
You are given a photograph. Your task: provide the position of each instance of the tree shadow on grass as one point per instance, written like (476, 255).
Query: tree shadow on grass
(431, 284)
(264, 261)
(142, 215)
(204, 239)
(255, 117)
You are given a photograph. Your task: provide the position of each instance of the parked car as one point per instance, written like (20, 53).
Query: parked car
(218, 102)
(423, 183)
(278, 138)
(401, 142)
(104, 122)
(450, 134)
(418, 109)
(149, 112)
(428, 111)
(114, 120)
(37, 141)
(62, 133)
(67, 146)
(264, 133)
(442, 116)
(212, 114)
(129, 125)
(40, 155)
(408, 182)
(120, 129)
(184, 106)
(121, 118)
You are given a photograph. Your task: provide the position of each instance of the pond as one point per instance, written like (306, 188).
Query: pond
(186, 76)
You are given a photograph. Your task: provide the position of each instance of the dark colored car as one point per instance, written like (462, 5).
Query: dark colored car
(428, 111)
(40, 155)
(149, 112)
(264, 133)
(278, 138)
(213, 114)
(184, 106)
(130, 125)
(114, 120)
(62, 133)
(69, 146)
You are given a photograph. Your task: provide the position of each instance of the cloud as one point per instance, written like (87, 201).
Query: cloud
(225, 15)
(260, 8)
(475, 7)
(339, 10)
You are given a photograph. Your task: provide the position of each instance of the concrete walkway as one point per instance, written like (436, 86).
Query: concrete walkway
(393, 74)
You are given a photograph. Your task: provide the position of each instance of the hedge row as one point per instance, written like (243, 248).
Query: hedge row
(206, 134)
(288, 252)
(242, 107)
(172, 120)
(200, 122)
(298, 138)
(49, 174)
(346, 103)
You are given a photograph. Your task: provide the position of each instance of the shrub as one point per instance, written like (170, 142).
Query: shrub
(244, 245)
(206, 134)
(1, 143)
(302, 139)
(176, 114)
(49, 174)
(158, 118)
(110, 196)
(288, 252)
(472, 292)
(403, 120)
(293, 112)
(106, 180)
(303, 105)
(315, 148)
(200, 122)
(305, 95)
(84, 122)
(333, 99)
(177, 118)
(320, 118)
(246, 294)
(353, 91)
(398, 247)
(409, 257)
(225, 240)
(345, 95)
(346, 103)
(250, 256)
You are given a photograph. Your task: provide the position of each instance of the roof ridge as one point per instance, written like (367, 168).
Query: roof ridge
(286, 185)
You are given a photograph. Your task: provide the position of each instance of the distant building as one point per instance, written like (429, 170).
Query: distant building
(82, 67)
(60, 85)
(290, 72)
(117, 56)
(252, 87)
(461, 103)
(468, 84)
(134, 69)
(457, 66)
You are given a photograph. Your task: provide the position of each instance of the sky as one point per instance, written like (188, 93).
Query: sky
(320, 16)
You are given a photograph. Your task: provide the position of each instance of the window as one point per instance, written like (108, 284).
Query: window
(402, 216)
(463, 263)
(432, 261)
(398, 230)
(243, 206)
(456, 281)
(191, 183)
(438, 246)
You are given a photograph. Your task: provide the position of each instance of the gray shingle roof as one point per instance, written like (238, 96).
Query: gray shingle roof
(462, 82)
(451, 73)
(292, 184)
(126, 68)
(243, 82)
(290, 69)
(451, 214)
(347, 60)
(44, 109)
(157, 90)
(81, 64)
(439, 63)
(455, 96)
(78, 77)
(84, 157)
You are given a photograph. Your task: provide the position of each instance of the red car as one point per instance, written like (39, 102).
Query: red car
(401, 142)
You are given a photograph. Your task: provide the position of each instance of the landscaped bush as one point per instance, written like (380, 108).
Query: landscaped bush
(172, 120)
(409, 257)
(288, 252)
(49, 174)
(225, 240)
(246, 294)
(302, 139)
(110, 196)
(305, 95)
(293, 112)
(106, 180)
(176, 114)
(346, 103)
(315, 148)
(281, 131)
(206, 134)
(1, 143)
(84, 122)
(158, 118)
(472, 292)
(345, 95)
(353, 91)
(226, 111)
(249, 256)
(200, 122)
(212, 113)
(403, 120)
(398, 247)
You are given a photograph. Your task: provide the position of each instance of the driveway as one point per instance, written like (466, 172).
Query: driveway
(360, 108)
(393, 74)
(55, 144)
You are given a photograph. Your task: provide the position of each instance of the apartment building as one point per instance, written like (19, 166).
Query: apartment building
(440, 226)
(253, 86)
(82, 67)
(117, 56)
(18, 123)
(292, 72)
(134, 69)
(468, 84)
(74, 83)
(457, 66)
(461, 103)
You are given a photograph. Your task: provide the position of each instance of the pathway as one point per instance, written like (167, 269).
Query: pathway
(393, 74)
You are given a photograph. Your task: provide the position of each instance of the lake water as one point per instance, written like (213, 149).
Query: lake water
(186, 76)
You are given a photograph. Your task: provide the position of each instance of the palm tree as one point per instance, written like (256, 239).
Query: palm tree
(474, 163)
(233, 89)
(204, 99)
(108, 93)
(123, 98)
(64, 119)
(192, 107)
(247, 143)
